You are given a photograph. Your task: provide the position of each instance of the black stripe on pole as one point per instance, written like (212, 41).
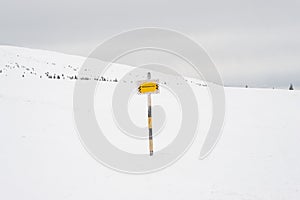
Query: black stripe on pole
(149, 111)
(150, 131)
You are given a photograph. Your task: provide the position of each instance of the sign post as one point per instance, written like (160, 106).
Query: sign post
(149, 87)
(150, 119)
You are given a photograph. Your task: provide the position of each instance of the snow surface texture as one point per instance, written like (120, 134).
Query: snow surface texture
(41, 156)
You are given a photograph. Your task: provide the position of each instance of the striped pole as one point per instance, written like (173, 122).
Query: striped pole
(150, 120)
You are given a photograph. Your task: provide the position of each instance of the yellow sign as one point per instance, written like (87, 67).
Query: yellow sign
(150, 87)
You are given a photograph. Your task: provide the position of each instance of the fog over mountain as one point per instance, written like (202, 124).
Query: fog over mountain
(251, 42)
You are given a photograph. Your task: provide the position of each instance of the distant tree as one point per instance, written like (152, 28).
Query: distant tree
(291, 87)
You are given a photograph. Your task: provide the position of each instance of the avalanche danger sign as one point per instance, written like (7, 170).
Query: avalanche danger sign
(148, 87)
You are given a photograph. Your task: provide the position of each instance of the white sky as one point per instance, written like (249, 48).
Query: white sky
(251, 42)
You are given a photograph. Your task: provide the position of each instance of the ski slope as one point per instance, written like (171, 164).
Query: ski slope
(41, 156)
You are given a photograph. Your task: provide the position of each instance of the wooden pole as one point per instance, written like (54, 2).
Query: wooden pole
(150, 120)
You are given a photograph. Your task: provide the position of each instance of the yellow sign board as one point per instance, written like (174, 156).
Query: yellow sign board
(148, 87)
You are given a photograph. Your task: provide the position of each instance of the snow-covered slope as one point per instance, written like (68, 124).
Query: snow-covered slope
(41, 156)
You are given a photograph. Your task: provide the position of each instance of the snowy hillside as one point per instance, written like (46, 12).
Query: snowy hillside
(41, 156)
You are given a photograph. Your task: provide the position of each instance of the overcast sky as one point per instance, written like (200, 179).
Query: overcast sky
(252, 42)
